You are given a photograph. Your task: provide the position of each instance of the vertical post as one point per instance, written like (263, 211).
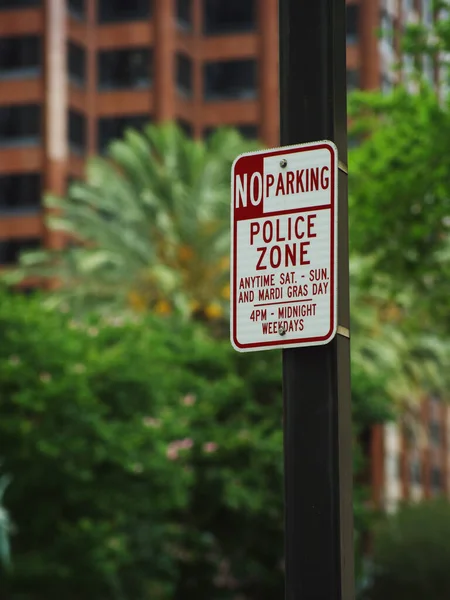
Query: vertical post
(316, 380)
(164, 59)
(55, 117)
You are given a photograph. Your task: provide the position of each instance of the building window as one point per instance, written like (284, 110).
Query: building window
(428, 68)
(427, 12)
(435, 433)
(20, 124)
(77, 9)
(184, 13)
(407, 11)
(387, 27)
(249, 132)
(186, 127)
(184, 74)
(7, 4)
(11, 249)
(230, 80)
(113, 11)
(113, 128)
(386, 83)
(353, 82)
(76, 58)
(77, 132)
(228, 16)
(124, 69)
(353, 141)
(20, 56)
(415, 471)
(392, 467)
(436, 479)
(352, 23)
(20, 193)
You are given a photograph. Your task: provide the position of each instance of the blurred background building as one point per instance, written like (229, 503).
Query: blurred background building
(75, 74)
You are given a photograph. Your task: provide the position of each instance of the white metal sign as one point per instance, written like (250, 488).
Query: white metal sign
(284, 247)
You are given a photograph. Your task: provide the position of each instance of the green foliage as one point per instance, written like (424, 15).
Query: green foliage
(422, 39)
(400, 185)
(400, 190)
(149, 226)
(146, 459)
(395, 355)
(412, 554)
(399, 206)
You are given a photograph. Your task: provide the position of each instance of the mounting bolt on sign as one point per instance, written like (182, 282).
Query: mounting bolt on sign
(284, 246)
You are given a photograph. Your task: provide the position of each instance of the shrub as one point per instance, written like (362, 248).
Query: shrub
(412, 554)
(146, 460)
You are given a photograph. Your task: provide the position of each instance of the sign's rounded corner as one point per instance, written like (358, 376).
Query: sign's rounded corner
(331, 144)
(237, 159)
(331, 334)
(236, 345)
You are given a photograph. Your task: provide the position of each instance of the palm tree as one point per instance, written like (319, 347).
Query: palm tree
(391, 340)
(147, 229)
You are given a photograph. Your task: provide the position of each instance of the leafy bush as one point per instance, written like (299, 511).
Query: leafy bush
(412, 554)
(146, 459)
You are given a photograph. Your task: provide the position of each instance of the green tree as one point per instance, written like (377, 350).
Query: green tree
(412, 554)
(390, 346)
(400, 194)
(148, 227)
(400, 175)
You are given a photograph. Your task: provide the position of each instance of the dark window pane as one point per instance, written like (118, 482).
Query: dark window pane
(352, 79)
(353, 141)
(229, 16)
(386, 83)
(11, 249)
(387, 27)
(415, 471)
(20, 56)
(18, 3)
(249, 132)
(228, 80)
(186, 127)
(184, 74)
(20, 124)
(77, 8)
(184, 13)
(110, 11)
(352, 23)
(435, 433)
(77, 131)
(76, 57)
(436, 478)
(112, 128)
(20, 192)
(119, 69)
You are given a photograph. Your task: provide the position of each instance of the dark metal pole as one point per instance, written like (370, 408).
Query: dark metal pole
(316, 380)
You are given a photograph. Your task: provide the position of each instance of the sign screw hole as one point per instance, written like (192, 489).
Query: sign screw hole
(283, 163)
(282, 331)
